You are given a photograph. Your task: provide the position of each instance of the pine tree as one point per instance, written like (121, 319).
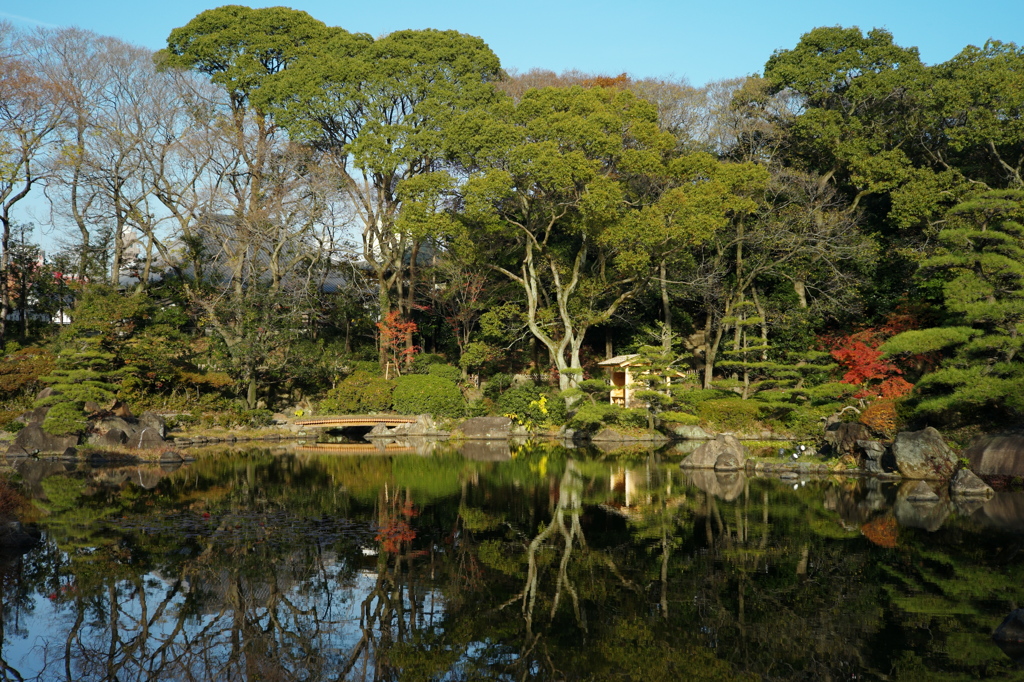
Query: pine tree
(982, 266)
(86, 367)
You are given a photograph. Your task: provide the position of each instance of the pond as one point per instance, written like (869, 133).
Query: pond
(535, 563)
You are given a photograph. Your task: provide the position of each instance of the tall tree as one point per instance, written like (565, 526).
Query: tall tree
(257, 208)
(381, 113)
(30, 113)
(559, 175)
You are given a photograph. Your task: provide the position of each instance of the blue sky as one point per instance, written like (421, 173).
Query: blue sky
(701, 41)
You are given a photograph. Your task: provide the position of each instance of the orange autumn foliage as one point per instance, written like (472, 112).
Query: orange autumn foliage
(882, 531)
(881, 417)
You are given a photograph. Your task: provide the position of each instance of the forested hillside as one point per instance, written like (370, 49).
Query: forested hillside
(272, 213)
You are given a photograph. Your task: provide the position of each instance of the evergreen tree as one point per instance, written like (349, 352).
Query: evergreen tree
(87, 365)
(981, 267)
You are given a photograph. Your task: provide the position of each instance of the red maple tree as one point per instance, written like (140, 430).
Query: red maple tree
(393, 334)
(859, 355)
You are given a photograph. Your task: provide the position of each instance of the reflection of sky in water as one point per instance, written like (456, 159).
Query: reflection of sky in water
(323, 615)
(683, 562)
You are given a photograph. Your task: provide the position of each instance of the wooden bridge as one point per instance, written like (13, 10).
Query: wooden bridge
(355, 420)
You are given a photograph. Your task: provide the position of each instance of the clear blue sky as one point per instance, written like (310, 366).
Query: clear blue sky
(701, 41)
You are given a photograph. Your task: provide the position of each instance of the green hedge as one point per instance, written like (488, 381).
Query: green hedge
(594, 417)
(360, 392)
(453, 374)
(427, 394)
(729, 414)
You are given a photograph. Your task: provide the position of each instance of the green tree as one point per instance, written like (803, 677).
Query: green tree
(380, 114)
(560, 172)
(980, 268)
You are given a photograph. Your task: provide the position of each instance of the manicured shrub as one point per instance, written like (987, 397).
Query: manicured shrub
(64, 419)
(680, 418)
(636, 418)
(593, 417)
(517, 401)
(729, 414)
(360, 392)
(452, 374)
(422, 362)
(427, 394)
(367, 366)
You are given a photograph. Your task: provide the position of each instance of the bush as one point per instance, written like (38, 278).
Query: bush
(558, 413)
(371, 367)
(882, 418)
(591, 417)
(497, 384)
(517, 401)
(680, 418)
(426, 394)
(636, 418)
(452, 374)
(729, 414)
(255, 418)
(422, 362)
(20, 372)
(359, 392)
(64, 419)
(477, 408)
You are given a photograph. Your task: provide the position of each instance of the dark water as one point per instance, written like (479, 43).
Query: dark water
(551, 564)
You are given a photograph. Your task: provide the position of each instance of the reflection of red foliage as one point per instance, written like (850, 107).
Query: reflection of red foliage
(881, 531)
(394, 533)
(409, 510)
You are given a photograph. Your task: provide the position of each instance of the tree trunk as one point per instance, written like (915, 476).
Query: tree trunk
(666, 310)
(801, 292)
(5, 274)
(250, 397)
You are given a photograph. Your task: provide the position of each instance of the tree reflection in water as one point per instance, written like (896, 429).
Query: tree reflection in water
(550, 565)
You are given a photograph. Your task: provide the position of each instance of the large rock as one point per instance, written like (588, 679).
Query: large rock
(923, 455)
(486, 450)
(919, 506)
(998, 455)
(691, 432)
(609, 435)
(33, 440)
(873, 454)
(724, 453)
(146, 439)
(16, 537)
(151, 420)
(485, 428)
(1009, 636)
(726, 485)
(967, 484)
(843, 437)
(111, 439)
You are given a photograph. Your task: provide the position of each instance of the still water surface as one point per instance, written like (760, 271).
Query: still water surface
(551, 564)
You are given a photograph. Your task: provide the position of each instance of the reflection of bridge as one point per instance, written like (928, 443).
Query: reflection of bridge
(356, 420)
(357, 449)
